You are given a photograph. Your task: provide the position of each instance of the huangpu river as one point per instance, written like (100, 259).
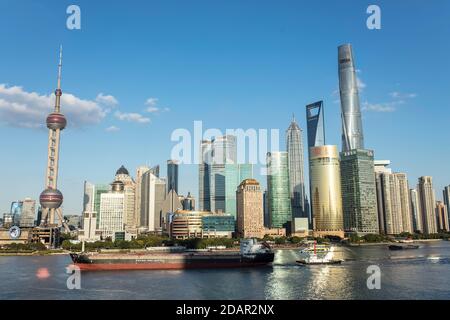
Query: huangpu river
(423, 273)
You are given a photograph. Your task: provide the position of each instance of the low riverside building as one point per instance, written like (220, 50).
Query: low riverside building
(23, 238)
(201, 224)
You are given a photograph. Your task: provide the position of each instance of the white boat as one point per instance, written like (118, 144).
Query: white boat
(315, 253)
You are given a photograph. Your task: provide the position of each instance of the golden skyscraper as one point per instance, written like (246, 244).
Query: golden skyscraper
(326, 199)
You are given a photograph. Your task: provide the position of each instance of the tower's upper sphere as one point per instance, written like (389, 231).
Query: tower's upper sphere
(56, 121)
(51, 198)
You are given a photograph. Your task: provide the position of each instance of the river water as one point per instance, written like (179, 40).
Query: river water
(409, 274)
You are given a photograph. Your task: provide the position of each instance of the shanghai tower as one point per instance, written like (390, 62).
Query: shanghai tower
(352, 131)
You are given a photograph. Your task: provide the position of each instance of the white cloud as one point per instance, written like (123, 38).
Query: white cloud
(400, 95)
(131, 117)
(108, 100)
(152, 109)
(152, 106)
(377, 107)
(361, 85)
(112, 129)
(151, 102)
(381, 107)
(20, 108)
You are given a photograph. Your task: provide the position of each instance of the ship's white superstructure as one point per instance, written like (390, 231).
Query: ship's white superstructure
(314, 253)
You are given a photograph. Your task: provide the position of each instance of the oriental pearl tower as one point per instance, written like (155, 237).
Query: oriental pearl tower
(51, 198)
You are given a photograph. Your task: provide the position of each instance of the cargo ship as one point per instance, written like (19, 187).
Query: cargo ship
(251, 254)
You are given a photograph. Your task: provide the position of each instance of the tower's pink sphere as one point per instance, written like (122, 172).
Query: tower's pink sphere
(56, 121)
(51, 198)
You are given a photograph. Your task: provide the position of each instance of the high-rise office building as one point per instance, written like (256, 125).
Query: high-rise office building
(316, 138)
(405, 203)
(446, 193)
(214, 192)
(326, 201)
(204, 194)
(92, 196)
(28, 213)
(381, 168)
(123, 175)
(153, 195)
(294, 147)
(359, 198)
(250, 211)
(137, 195)
(442, 217)
(16, 212)
(112, 210)
(279, 200)
(393, 200)
(223, 152)
(234, 175)
(315, 124)
(172, 175)
(415, 210)
(427, 204)
(88, 197)
(352, 130)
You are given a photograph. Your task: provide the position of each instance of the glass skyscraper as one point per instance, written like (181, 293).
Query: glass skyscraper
(352, 131)
(203, 175)
(316, 138)
(359, 197)
(315, 124)
(214, 156)
(279, 201)
(172, 175)
(234, 175)
(294, 147)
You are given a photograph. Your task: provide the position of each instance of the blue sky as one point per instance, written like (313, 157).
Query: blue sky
(231, 64)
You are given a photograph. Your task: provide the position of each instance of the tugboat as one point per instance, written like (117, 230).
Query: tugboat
(251, 254)
(317, 254)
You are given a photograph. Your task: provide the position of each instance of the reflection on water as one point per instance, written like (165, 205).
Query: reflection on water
(408, 274)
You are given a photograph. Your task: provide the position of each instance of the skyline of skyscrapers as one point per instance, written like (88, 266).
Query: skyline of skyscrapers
(372, 201)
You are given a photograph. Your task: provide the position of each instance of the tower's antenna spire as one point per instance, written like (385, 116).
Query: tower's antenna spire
(293, 117)
(59, 67)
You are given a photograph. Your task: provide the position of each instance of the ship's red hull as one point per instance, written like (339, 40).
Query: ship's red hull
(162, 266)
